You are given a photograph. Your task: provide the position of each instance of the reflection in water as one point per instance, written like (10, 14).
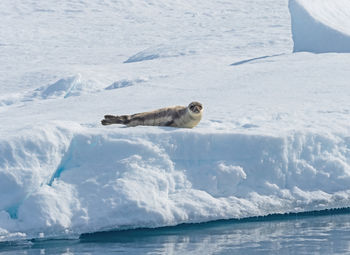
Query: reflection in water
(293, 234)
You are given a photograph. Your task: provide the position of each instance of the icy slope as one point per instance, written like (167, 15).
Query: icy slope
(320, 25)
(86, 180)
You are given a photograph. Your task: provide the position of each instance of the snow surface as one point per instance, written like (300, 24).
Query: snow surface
(320, 25)
(275, 136)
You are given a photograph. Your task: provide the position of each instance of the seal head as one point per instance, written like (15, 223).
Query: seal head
(195, 108)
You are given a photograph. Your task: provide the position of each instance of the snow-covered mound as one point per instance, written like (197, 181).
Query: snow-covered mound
(320, 25)
(124, 83)
(63, 88)
(64, 179)
(161, 51)
(66, 87)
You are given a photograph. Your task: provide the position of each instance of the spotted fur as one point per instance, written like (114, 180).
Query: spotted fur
(177, 116)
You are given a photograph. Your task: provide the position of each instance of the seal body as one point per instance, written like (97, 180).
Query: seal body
(177, 116)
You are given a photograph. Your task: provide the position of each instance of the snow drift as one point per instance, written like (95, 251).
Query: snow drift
(320, 25)
(64, 179)
(161, 51)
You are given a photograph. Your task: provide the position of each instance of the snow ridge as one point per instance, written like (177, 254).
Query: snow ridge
(86, 180)
(320, 26)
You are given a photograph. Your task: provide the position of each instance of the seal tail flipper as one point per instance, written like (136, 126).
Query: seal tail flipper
(111, 119)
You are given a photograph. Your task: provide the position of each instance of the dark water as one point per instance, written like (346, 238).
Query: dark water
(326, 232)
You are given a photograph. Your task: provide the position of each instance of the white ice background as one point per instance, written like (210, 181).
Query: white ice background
(274, 138)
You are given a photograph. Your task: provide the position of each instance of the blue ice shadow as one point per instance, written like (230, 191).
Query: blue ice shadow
(65, 163)
(13, 211)
(254, 59)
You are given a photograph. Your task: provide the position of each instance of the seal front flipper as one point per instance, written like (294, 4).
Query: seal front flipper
(169, 123)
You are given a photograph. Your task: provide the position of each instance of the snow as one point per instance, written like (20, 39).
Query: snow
(320, 26)
(161, 51)
(274, 137)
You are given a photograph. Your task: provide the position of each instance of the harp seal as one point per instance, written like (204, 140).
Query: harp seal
(176, 116)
